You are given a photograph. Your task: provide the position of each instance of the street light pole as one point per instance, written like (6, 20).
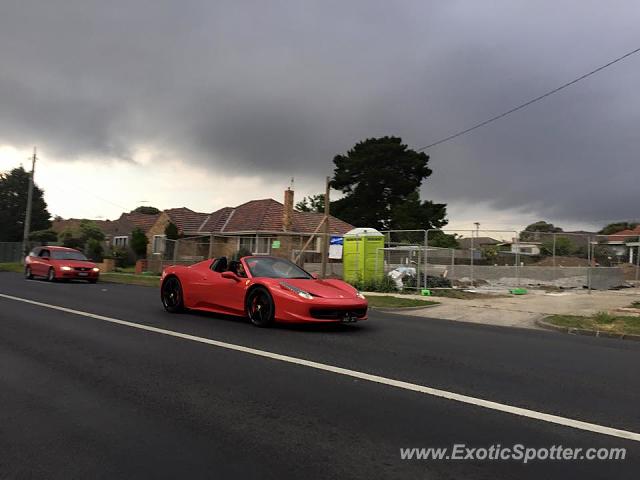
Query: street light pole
(27, 216)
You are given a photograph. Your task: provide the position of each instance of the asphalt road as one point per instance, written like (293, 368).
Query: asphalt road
(81, 397)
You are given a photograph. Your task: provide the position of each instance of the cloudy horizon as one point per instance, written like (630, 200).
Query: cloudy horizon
(210, 104)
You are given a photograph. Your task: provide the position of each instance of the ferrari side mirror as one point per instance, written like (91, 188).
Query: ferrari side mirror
(230, 275)
(315, 275)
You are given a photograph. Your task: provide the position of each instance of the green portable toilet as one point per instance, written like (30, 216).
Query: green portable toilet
(362, 255)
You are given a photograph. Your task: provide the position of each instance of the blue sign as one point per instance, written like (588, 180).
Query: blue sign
(336, 241)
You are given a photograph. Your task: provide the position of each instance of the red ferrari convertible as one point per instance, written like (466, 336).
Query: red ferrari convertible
(266, 289)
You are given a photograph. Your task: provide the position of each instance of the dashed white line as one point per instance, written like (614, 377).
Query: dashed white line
(478, 402)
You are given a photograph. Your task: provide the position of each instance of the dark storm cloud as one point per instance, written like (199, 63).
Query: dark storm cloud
(279, 88)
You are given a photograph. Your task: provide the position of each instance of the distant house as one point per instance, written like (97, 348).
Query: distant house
(262, 227)
(117, 232)
(478, 242)
(625, 244)
(520, 247)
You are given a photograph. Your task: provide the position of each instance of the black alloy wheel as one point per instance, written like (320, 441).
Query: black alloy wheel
(260, 307)
(171, 294)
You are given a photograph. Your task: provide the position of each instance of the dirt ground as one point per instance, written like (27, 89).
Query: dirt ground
(523, 310)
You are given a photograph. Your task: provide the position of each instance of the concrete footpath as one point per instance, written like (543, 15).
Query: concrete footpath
(523, 310)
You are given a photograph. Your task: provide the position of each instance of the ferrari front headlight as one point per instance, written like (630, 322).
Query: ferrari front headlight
(360, 295)
(95, 269)
(299, 291)
(66, 269)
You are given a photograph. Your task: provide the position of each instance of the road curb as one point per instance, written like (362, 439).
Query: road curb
(589, 333)
(402, 309)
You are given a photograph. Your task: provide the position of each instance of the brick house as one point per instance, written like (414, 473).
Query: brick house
(263, 227)
(625, 245)
(117, 232)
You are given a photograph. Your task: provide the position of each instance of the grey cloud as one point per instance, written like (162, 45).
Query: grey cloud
(278, 88)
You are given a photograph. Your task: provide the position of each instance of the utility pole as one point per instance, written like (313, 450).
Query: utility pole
(325, 239)
(27, 216)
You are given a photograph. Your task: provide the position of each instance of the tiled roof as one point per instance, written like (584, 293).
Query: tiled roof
(466, 242)
(142, 221)
(120, 226)
(623, 235)
(266, 216)
(309, 221)
(186, 219)
(216, 221)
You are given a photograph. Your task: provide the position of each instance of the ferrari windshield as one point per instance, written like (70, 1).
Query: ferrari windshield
(67, 255)
(275, 268)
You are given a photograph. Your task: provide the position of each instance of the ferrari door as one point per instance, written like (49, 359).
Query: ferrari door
(209, 290)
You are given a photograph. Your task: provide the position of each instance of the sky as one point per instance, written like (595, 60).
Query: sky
(209, 104)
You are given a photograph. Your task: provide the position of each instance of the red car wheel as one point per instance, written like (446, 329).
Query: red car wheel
(171, 294)
(260, 308)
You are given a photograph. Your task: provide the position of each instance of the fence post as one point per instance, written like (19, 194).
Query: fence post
(518, 259)
(638, 260)
(426, 256)
(471, 255)
(453, 259)
(589, 256)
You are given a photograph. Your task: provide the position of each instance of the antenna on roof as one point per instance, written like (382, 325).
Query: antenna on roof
(292, 182)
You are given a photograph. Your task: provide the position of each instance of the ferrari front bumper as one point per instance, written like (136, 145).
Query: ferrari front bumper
(322, 310)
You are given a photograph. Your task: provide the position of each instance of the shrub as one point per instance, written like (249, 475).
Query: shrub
(121, 256)
(438, 282)
(139, 242)
(384, 284)
(95, 250)
(604, 318)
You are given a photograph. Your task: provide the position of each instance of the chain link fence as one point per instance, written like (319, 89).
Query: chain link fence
(11, 252)
(504, 259)
(301, 248)
(416, 259)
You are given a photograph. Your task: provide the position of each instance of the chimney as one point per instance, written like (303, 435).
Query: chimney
(287, 212)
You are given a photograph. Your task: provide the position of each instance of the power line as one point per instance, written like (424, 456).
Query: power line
(526, 104)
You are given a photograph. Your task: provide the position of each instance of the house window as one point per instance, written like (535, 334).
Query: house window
(260, 247)
(158, 243)
(120, 242)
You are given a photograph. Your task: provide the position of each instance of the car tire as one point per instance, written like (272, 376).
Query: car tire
(260, 307)
(28, 274)
(51, 275)
(171, 295)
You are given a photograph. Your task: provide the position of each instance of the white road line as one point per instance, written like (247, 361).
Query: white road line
(478, 402)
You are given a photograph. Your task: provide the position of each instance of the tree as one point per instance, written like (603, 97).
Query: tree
(564, 247)
(69, 241)
(146, 210)
(443, 240)
(14, 188)
(313, 203)
(531, 232)
(139, 242)
(171, 231)
(618, 227)
(380, 178)
(94, 248)
(89, 230)
(43, 236)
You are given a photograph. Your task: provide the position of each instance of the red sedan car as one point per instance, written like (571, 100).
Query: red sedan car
(60, 263)
(266, 289)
